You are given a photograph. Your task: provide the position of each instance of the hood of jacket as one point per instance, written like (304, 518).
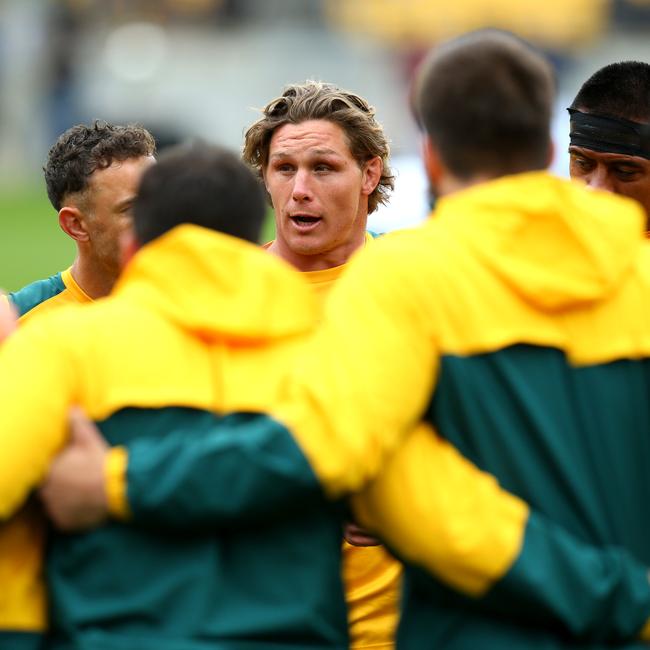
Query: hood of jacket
(555, 242)
(218, 287)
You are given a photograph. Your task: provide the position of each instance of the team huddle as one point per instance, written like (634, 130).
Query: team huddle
(436, 438)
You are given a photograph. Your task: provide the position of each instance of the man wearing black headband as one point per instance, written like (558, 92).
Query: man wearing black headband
(610, 131)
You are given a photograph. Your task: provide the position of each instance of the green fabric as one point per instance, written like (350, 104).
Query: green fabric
(37, 292)
(559, 593)
(181, 479)
(275, 584)
(21, 641)
(527, 416)
(458, 624)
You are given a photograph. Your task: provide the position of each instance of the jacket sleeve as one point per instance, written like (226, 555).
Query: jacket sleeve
(369, 373)
(440, 513)
(36, 386)
(246, 469)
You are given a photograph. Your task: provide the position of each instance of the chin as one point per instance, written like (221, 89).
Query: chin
(302, 246)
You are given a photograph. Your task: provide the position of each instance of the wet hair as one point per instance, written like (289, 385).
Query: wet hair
(315, 100)
(200, 184)
(83, 149)
(485, 99)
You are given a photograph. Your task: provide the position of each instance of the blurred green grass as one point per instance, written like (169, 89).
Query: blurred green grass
(32, 246)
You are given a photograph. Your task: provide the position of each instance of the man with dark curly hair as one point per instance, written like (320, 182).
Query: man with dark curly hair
(91, 174)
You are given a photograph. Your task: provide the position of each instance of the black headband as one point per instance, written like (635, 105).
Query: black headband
(609, 134)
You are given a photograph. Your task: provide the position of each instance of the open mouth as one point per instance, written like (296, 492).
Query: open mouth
(305, 221)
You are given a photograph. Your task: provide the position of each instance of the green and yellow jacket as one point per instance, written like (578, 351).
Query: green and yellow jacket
(516, 322)
(512, 327)
(200, 325)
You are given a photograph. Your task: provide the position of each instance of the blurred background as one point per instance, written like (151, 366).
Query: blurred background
(202, 68)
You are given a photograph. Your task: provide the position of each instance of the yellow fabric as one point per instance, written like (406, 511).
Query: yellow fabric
(371, 576)
(461, 527)
(644, 635)
(115, 469)
(563, 24)
(323, 281)
(22, 597)
(71, 295)
(23, 600)
(463, 283)
(373, 580)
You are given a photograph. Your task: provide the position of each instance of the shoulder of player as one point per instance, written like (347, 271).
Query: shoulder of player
(37, 293)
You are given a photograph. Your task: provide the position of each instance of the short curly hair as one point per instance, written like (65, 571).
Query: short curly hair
(83, 149)
(315, 100)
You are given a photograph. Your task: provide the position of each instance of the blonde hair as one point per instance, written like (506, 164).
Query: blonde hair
(315, 100)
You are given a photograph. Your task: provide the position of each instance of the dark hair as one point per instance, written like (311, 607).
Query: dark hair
(617, 90)
(485, 100)
(315, 100)
(201, 184)
(83, 149)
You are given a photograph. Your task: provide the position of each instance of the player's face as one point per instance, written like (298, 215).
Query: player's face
(111, 193)
(613, 172)
(319, 193)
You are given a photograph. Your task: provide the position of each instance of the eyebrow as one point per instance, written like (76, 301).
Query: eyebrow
(125, 202)
(617, 160)
(315, 152)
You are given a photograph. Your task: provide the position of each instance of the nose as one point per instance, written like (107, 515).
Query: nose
(301, 190)
(600, 179)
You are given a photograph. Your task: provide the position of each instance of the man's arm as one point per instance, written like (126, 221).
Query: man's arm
(431, 505)
(36, 382)
(438, 512)
(246, 470)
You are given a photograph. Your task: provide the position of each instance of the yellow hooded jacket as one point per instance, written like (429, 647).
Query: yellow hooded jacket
(516, 322)
(200, 325)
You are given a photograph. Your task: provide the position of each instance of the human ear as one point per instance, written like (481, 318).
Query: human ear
(371, 175)
(73, 223)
